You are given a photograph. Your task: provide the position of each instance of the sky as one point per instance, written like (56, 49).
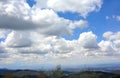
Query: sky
(36, 33)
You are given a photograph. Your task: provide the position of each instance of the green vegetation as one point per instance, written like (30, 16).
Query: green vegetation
(42, 75)
(8, 75)
(58, 73)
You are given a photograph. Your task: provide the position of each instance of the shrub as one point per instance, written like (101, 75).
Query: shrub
(57, 73)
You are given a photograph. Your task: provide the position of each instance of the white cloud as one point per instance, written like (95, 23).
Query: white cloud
(107, 35)
(61, 46)
(3, 0)
(17, 11)
(41, 3)
(48, 25)
(106, 46)
(52, 47)
(112, 36)
(117, 44)
(17, 39)
(79, 24)
(107, 17)
(26, 18)
(3, 33)
(88, 40)
(33, 34)
(83, 7)
(41, 20)
(118, 18)
(114, 17)
(110, 46)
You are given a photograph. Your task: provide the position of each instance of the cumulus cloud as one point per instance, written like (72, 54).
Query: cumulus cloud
(88, 40)
(111, 36)
(53, 47)
(79, 24)
(83, 7)
(18, 12)
(50, 26)
(3, 53)
(17, 39)
(3, 0)
(3, 33)
(107, 35)
(61, 46)
(106, 46)
(34, 33)
(110, 46)
(41, 3)
(2, 49)
(25, 18)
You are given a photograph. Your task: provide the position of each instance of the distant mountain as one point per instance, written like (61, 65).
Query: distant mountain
(91, 71)
(22, 73)
(66, 74)
(4, 71)
(91, 74)
(95, 67)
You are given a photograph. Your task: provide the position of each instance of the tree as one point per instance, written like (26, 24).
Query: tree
(57, 73)
(26, 77)
(8, 75)
(42, 75)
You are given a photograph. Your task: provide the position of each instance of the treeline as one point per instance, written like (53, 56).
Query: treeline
(58, 73)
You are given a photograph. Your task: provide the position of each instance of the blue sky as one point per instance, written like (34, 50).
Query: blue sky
(97, 20)
(53, 32)
(109, 8)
